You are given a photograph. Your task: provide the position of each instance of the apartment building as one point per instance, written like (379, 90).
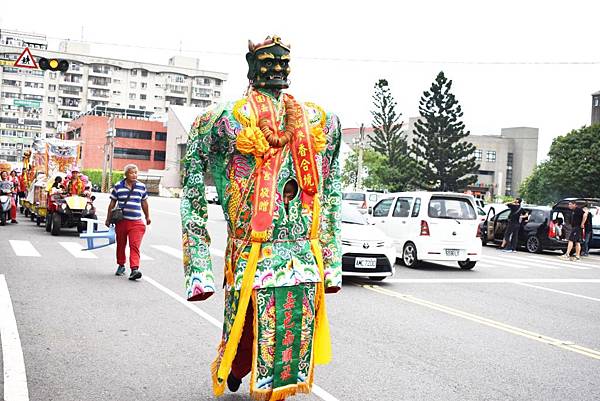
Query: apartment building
(35, 103)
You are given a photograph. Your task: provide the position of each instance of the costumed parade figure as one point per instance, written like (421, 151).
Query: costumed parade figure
(275, 165)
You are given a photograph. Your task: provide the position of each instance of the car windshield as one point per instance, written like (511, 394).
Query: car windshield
(451, 208)
(353, 196)
(351, 215)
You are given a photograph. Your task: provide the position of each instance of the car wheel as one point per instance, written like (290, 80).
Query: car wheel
(377, 278)
(38, 221)
(533, 244)
(466, 264)
(56, 222)
(49, 222)
(409, 255)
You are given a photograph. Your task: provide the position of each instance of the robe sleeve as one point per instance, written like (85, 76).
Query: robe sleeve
(331, 202)
(197, 264)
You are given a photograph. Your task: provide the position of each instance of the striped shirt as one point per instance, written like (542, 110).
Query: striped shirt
(133, 209)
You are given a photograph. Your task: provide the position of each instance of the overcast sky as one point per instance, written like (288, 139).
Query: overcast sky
(341, 48)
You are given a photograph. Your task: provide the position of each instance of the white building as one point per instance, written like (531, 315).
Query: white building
(35, 103)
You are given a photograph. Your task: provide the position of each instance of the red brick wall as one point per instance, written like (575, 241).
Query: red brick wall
(93, 137)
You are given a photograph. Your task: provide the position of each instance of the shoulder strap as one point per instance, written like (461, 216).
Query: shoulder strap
(129, 194)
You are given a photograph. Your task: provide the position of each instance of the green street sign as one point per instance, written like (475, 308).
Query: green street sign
(36, 104)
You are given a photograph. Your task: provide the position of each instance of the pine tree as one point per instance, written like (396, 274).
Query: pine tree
(389, 140)
(445, 160)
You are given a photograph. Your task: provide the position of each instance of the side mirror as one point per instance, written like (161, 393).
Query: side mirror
(370, 210)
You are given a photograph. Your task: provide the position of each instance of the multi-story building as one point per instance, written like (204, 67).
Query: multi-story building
(136, 138)
(35, 103)
(596, 107)
(505, 160)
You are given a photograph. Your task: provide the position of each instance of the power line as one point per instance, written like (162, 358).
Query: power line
(349, 60)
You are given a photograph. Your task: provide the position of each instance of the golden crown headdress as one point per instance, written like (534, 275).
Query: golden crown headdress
(268, 42)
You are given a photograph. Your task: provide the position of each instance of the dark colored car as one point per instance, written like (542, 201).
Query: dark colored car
(594, 208)
(541, 231)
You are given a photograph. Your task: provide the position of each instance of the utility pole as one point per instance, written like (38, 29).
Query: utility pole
(359, 164)
(109, 147)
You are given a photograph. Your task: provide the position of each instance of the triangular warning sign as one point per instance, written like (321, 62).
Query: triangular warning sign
(26, 60)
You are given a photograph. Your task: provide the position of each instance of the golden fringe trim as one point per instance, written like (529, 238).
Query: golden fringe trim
(235, 333)
(237, 112)
(260, 236)
(218, 388)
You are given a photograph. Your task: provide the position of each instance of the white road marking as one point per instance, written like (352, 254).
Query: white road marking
(15, 376)
(178, 253)
(565, 263)
(318, 391)
(489, 280)
(517, 261)
(24, 248)
(169, 250)
(142, 255)
(77, 250)
(560, 292)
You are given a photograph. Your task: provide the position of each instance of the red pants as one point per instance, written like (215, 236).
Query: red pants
(134, 231)
(242, 363)
(13, 209)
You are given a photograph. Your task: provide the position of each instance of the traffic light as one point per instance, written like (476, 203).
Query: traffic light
(53, 64)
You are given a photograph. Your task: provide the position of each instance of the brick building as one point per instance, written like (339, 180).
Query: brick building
(137, 140)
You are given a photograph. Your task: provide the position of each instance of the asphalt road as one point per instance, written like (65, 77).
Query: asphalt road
(517, 327)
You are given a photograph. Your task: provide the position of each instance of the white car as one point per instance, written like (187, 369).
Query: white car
(431, 226)
(211, 194)
(366, 250)
(362, 200)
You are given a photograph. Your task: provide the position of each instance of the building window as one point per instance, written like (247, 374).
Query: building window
(133, 134)
(159, 155)
(144, 85)
(128, 153)
(132, 96)
(133, 73)
(132, 106)
(53, 75)
(478, 155)
(51, 99)
(132, 85)
(490, 156)
(51, 87)
(160, 136)
(142, 97)
(144, 73)
(597, 101)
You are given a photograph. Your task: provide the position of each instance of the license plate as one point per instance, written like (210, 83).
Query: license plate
(452, 252)
(365, 263)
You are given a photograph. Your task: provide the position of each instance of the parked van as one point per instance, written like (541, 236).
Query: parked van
(362, 200)
(431, 226)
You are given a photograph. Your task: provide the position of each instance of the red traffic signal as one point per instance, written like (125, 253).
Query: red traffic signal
(53, 64)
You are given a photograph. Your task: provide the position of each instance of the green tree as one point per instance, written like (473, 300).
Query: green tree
(389, 140)
(445, 160)
(572, 169)
(373, 162)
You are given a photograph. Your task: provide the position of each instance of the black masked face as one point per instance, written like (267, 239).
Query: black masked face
(269, 67)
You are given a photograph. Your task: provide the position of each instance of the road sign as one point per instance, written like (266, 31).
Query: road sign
(26, 60)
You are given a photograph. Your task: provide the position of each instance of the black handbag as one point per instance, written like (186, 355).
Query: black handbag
(116, 214)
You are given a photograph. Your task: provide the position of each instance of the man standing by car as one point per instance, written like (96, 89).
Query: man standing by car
(587, 230)
(576, 235)
(511, 235)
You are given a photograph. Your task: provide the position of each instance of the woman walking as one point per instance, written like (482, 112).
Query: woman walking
(131, 197)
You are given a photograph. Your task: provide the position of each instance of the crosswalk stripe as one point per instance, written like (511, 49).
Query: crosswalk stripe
(143, 256)
(24, 248)
(76, 249)
(512, 261)
(169, 250)
(563, 262)
(178, 253)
